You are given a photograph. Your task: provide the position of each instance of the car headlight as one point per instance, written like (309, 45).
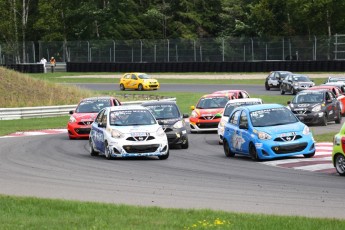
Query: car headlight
(306, 130)
(194, 114)
(262, 135)
(72, 119)
(160, 132)
(116, 133)
(178, 125)
(295, 84)
(337, 140)
(317, 108)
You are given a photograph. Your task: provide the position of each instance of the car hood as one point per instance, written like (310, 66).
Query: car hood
(137, 128)
(85, 116)
(279, 129)
(168, 121)
(209, 112)
(304, 106)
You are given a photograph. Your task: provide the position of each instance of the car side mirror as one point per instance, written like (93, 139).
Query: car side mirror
(218, 115)
(192, 107)
(289, 102)
(101, 125)
(71, 112)
(185, 115)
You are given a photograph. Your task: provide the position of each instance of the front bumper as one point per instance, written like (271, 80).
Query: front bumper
(78, 131)
(310, 118)
(176, 136)
(124, 148)
(198, 125)
(270, 149)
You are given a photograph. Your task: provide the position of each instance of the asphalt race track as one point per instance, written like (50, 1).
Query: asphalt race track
(52, 166)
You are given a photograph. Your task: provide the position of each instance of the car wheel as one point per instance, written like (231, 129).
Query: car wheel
(107, 152)
(92, 149)
(164, 157)
(140, 87)
(267, 87)
(324, 120)
(294, 92)
(227, 150)
(122, 87)
(339, 163)
(253, 153)
(339, 118)
(185, 144)
(309, 155)
(282, 92)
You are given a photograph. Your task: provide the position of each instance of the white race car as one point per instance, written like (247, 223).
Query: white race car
(229, 107)
(127, 131)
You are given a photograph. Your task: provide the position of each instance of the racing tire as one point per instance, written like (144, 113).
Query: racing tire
(309, 155)
(122, 87)
(282, 92)
(140, 87)
(253, 153)
(339, 118)
(339, 164)
(107, 152)
(164, 157)
(267, 87)
(92, 150)
(324, 120)
(294, 92)
(227, 150)
(185, 144)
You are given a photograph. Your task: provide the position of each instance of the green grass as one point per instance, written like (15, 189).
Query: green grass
(33, 213)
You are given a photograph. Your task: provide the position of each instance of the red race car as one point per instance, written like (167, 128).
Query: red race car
(207, 113)
(237, 93)
(337, 92)
(79, 124)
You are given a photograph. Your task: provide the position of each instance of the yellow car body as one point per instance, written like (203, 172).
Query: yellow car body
(138, 81)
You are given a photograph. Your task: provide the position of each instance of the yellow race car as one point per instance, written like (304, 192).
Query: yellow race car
(138, 81)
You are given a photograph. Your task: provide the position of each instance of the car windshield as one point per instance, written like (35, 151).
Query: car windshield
(131, 117)
(272, 117)
(212, 102)
(300, 78)
(162, 111)
(92, 106)
(231, 106)
(144, 76)
(316, 97)
(283, 75)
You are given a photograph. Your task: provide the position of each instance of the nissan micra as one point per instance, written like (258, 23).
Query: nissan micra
(127, 131)
(266, 131)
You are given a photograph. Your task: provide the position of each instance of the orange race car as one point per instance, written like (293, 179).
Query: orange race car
(207, 113)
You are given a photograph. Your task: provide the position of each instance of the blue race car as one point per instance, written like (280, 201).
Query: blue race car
(266, 131)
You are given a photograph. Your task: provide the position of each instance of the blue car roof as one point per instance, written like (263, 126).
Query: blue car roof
(251, 108)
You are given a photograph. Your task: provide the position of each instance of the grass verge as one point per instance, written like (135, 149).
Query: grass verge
(33, 213)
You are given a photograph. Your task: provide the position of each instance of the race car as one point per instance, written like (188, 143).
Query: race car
(266, 131)
(127, 131)
(234, 93)
(295, 83)
(206, 114)
(229, 107)
(138, 81)
(316, 107)
(275, 78)
(81, 118)
(338, 152)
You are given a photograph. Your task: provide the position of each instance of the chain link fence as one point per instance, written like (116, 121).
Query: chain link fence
(229, 49)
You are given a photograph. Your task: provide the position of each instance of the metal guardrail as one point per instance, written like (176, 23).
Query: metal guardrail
(50, 111)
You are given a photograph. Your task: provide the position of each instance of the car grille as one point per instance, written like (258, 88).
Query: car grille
(83, 131)
(289, 148)
(207, 125)
(141, 148)
(288, 138)
(302, 112)
(85, 122)
(153, 86)
(140, 138)
(207, 118)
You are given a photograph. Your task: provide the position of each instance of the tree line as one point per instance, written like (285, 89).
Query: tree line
(62, 20)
